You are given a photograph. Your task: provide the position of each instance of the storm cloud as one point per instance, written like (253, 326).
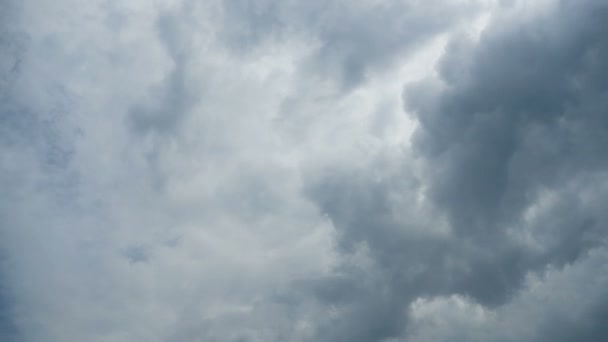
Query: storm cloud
(392, 170)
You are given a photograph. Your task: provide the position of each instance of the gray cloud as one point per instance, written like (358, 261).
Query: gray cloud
(519, 121)
(241, 171)
(509, 138)
(351, 38)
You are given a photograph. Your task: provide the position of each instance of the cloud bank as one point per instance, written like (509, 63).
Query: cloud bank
(391, 170)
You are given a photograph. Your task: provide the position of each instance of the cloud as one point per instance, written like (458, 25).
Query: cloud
(504, 161)
(223, 171)
(351, 39)
(510, 136)
(514, 122)
(558, 305)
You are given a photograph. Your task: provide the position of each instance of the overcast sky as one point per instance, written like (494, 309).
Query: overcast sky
(321, 170)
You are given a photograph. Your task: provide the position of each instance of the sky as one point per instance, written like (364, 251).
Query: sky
(337, 170)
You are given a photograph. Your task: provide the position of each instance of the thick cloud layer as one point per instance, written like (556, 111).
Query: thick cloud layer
(303, 171)
(513, 136)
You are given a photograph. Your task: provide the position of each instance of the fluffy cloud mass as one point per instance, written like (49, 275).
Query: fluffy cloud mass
(367, 170)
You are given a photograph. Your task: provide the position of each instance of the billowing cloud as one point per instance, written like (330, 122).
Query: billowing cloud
(303, 171)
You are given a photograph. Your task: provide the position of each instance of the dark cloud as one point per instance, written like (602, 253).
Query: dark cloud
(521, 118)
(8, 328)
(170, 101)
(512, 140)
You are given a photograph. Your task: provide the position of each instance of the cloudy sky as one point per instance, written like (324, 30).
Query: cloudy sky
(336, 170)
